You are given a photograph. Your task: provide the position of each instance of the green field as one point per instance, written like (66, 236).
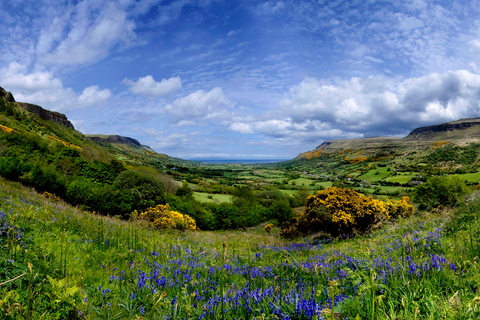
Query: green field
(401, 178)
(375, 174)
(470, 177)
(216, 198)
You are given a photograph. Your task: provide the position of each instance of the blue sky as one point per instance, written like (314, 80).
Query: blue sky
(244, 79)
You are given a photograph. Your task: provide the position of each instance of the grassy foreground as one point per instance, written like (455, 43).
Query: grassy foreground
(57, 262)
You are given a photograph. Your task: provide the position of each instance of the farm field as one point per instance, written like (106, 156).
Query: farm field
(401, 178)
(207, 197)
(375, 174)
(59, 262)
(470, 177)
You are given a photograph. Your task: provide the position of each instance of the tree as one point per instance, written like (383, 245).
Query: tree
(184, 191)
(146, 190)
(440, 192)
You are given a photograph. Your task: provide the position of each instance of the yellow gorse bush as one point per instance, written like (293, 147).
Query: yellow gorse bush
(6, 129)
(344, 211)
(161, 217)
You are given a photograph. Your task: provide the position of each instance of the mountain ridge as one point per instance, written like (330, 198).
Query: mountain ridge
(62, 119)
(457, 132)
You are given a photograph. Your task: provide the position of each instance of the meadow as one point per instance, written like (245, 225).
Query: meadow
(58, 262)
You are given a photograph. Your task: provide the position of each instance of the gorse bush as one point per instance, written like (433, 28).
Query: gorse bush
(339, 211)
(161, 217)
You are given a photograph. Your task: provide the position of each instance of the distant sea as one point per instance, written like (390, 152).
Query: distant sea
(240, 161)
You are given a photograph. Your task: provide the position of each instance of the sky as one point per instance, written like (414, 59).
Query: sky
(205, 79)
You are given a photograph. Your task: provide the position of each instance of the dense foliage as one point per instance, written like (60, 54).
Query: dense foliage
(445, 191)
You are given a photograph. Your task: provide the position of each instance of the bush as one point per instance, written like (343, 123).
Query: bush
(339, 211)
(161, 217)
(440, 192)
(146, 190)
(281, 211)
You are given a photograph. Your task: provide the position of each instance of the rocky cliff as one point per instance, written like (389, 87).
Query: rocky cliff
(466, 128)
(114, 139)
(7, 95)
(58, 118)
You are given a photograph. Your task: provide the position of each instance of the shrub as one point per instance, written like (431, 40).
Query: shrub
(281, 211)
(268, 227)
(440, 192)
(161, 217)
(339, 211)
(399, 208)
(146, 190)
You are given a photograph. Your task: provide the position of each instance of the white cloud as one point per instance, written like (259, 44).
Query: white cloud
(241, 127)
(270, 7)
(200, 105)
(147, 86)
(93, 96)
(318, 110)
(475, 45)
(85, 35)
(44, 89)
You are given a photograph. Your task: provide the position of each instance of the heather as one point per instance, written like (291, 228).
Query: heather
(59, 262)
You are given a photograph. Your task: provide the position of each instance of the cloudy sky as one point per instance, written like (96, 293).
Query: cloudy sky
(244, 79)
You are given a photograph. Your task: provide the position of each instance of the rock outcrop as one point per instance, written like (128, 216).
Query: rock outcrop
(449, 127)
(114, 139)
(58, 118)
(7, 95)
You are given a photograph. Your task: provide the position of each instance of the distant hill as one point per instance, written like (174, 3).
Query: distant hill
(55, 127)
(460, 132)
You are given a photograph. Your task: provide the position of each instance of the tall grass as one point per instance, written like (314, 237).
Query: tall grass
(74, 264)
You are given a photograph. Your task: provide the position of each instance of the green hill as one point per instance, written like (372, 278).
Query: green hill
(42, 149)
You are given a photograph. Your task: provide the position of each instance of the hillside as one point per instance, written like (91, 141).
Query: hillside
(42, 149)
(459, 132)
(27, 118)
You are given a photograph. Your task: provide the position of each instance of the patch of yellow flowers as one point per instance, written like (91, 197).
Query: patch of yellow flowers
(161, 217)
(6, 129)
(346, 207)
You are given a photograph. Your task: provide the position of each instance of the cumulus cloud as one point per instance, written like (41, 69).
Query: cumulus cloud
(200, 105)
(147, 86)
(43, 88)
(92, 96)
(360, 107)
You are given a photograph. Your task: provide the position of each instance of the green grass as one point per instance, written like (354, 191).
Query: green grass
(208, 197)
(375, 174)
(289, 192)
(401, 178)
(469, 177)
(105, 268)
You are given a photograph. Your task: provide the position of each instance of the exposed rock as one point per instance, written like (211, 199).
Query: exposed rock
(431, 131)
(114, 139)
(7, 95)
(58, 118)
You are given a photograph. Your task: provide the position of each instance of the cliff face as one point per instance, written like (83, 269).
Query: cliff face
(472, 125)
(58, 118)
(114, 139)
(7, 95)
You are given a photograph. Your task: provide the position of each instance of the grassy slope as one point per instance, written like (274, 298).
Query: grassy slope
(100, 267)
